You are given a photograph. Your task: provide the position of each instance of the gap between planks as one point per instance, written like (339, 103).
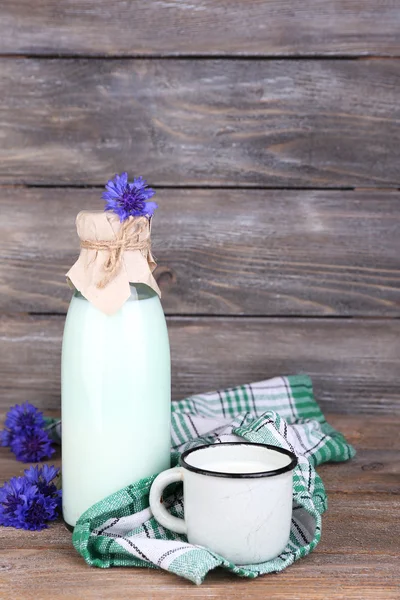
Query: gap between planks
(227, 316)
(199, 56)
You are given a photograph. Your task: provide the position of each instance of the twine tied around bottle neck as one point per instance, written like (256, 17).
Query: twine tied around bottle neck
(125, 240)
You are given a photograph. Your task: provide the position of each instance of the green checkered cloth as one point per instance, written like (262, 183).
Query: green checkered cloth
(121, 530)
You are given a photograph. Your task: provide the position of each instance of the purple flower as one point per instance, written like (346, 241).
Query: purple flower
(30, 501)
(43, 478)
(25, 433)
(36, 511)
(20, 418)
(32, 446)
(129, 199)
(14, 494)
(5, 437)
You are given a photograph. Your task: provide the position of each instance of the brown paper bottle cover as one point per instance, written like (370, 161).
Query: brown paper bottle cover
(113, 254)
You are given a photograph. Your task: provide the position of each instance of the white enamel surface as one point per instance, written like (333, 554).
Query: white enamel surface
(239, 466)
(158, 509)
(237, 457)
(246, 520)
(115, 400)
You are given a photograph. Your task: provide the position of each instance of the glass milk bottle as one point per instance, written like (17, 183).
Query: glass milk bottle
(115, 365)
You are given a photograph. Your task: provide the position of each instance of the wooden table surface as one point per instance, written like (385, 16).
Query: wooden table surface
(358, 556)
(270, 130)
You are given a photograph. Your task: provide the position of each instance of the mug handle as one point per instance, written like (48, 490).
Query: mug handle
(157, 508)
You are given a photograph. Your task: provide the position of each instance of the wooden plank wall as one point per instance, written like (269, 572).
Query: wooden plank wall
(271, 131)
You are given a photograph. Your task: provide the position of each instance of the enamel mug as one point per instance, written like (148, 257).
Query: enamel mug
(237, 499)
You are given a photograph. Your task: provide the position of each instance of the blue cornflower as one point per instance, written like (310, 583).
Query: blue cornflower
(43, 478)
(24, 505)
(25, 433)
(22, 417)
(129, 199)
(32, 446)
(34, 513)
(13, 494)
(5, 437)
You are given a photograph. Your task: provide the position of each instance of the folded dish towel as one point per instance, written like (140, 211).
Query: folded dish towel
(121, 531)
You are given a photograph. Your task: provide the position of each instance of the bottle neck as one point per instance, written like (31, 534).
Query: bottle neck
(139, 291)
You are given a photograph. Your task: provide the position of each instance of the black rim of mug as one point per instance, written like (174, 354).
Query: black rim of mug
(272, 473)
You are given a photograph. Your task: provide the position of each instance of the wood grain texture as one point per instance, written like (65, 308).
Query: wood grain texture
(289, 253)
(374, 470)
(371, 472)
(257, 252)
(337, 576)
(368, 523)
(272, 123)
(357, 557)
(359, 541)
(207, 27)
(354, 363)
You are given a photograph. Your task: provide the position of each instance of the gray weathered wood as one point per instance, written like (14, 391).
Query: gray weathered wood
(356, 558)
(216, 122)
(342, 506)
(354, 363)
(336, 575)
(258, 252)
(208, 27)
(359, 541)
(374, 470)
